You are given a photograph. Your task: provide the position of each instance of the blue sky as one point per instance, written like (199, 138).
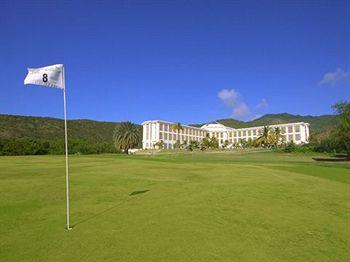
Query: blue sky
(188, 61)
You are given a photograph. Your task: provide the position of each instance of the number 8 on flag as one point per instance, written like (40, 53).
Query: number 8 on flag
(51, 76)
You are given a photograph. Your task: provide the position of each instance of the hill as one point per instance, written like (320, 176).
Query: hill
(318, 124)
(12, 126)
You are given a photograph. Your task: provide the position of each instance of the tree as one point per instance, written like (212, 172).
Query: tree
(214, 143)
(177, 127)
(205, 144)
(264, 139)
(276, 137)
(126, 136)
(159, 144)
(226, 144)
(193, 145)
(342, 129)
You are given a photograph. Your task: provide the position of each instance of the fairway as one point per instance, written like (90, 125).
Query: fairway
(262, 206)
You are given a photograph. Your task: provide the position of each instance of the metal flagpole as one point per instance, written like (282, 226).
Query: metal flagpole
(66, 145)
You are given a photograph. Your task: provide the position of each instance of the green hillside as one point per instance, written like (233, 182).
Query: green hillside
(318, 124)
(12, 126)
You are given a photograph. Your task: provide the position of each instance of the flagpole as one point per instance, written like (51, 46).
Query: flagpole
(66, 145)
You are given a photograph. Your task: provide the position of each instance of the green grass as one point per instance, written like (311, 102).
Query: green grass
(261, 206)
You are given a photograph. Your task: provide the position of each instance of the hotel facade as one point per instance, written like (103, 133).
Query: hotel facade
(157, 130)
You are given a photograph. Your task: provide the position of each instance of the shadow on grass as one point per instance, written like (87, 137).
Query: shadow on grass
(113, 207)
(138, 192)
(329, 159)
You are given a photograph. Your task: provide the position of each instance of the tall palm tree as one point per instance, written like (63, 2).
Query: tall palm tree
(126, 135)
(264, 138)
(277, 136)
(177, 127)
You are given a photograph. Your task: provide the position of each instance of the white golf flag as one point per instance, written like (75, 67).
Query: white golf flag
(51, 76)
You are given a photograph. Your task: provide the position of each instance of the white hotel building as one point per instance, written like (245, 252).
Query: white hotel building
(158, 130)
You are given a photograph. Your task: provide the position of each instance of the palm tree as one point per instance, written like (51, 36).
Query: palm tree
(126, 135)
(159, 144)
(277, 137)
(177, 127)
(264, 138)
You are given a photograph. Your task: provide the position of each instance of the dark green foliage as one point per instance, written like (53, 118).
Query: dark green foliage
(32, 146)
(290, 147)
(336, 140)
(327, 145)
(214, 143)
(24, 135)
(126, 136)
(52, 128)
(342, 130)
(193, 145)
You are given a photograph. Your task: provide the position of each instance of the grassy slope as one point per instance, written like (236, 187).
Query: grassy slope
(53, 128)
(199, 207)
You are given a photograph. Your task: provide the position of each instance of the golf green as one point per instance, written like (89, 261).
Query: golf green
(239, 206)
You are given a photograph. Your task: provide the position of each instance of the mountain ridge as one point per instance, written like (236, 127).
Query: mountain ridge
(17, 126)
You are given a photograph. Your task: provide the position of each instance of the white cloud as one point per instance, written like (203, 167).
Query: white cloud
(262, 105)
(232, 99)
(229, 97)
(331, 78)
(240, 110)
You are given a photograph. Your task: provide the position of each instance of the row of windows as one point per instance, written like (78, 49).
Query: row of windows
(285, 137)
(169, 136)
(255, 132)
(184, 130)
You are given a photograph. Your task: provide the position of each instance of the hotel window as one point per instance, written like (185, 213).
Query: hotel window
(297, 128)
(146, 129)
(160, 135)
(149, 131)
(290, 137)
(290, 129)
(161, 127)
(297, 137)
